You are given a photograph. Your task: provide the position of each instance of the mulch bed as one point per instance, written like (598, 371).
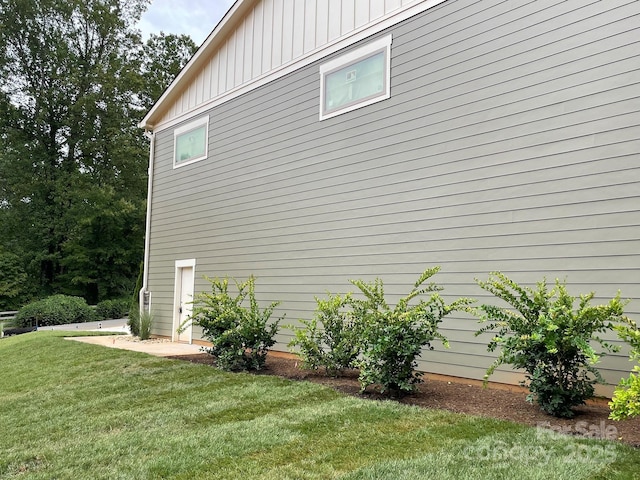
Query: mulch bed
(464, 396)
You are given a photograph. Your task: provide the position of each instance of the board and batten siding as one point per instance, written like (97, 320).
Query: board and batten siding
(275, 33)
(510, 142)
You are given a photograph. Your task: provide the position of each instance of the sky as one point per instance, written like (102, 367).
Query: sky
(196, 18)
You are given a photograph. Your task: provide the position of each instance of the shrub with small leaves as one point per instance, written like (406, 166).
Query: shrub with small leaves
(55, 310)
(330, 338)
(241, 335)
(112, 309)
(544, 334)
(393, 338)
(626, 398)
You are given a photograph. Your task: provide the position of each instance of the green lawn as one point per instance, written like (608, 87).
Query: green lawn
(70, 410)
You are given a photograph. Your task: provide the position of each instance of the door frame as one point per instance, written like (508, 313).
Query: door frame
(177, 294)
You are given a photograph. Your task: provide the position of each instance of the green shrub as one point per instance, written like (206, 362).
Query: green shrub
(112, 309)
(330, 338)
(241, 336)
(551, 340)
(55, 310)
(392, 339)
(626, 398)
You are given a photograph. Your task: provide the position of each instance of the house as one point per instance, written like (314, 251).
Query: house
(309, 142)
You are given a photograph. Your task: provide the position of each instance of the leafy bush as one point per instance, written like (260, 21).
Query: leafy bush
(392, 339)
(543, 334)
(240, 335)
(55, 310)
(112, 309)
(626, 398)
(330, 338)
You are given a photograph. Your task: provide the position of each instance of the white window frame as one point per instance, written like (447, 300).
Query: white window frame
(185, 129)
(381, 44)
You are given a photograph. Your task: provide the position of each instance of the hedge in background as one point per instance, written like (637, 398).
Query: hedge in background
(55, 310)
(112, 309)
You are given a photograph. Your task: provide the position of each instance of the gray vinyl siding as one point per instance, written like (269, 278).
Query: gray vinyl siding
(510, 142)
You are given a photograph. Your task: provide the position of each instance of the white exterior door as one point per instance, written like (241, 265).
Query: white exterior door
(183, 299)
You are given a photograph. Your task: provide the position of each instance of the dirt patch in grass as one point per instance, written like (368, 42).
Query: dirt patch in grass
(464, 396)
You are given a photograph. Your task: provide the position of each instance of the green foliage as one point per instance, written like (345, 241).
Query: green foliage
(134, 307)
(330, 338)
(146, 319)
(71, 410)
(543, 333)
(100, 260)
(626, 398)
(134, 322)
(112, 309)
(73, 166)
(392, 338)
(161, 59)
(55, 310)
(13, 281)
(241, 335)
(75, 79)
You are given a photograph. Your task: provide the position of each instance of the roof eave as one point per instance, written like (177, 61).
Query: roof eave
(193, 66)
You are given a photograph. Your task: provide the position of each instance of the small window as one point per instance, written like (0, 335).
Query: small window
(357, 79)
(190, 142)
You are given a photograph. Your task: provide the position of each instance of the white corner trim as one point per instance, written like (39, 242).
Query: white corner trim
(225, 21)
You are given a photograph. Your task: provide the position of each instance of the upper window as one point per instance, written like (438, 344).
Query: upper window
(190, 142)
(359, 78)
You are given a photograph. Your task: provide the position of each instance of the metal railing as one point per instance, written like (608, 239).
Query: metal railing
(7, 316)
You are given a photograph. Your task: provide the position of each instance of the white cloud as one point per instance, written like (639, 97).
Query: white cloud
(196, 18)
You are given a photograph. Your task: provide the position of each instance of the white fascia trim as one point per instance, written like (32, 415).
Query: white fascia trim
(196, 57)
(383, 43)
(357, 35)
(185, 128)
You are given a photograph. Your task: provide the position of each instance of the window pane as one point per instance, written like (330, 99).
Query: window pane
(356, 82)
(191, 144)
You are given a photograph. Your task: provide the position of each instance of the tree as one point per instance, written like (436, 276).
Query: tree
(70, 147)
(75, 79)
(162, 58)
(13, 281)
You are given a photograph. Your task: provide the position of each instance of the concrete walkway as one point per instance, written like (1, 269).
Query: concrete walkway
(157, 347)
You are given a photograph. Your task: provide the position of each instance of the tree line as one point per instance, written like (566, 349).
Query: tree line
(76, 77)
